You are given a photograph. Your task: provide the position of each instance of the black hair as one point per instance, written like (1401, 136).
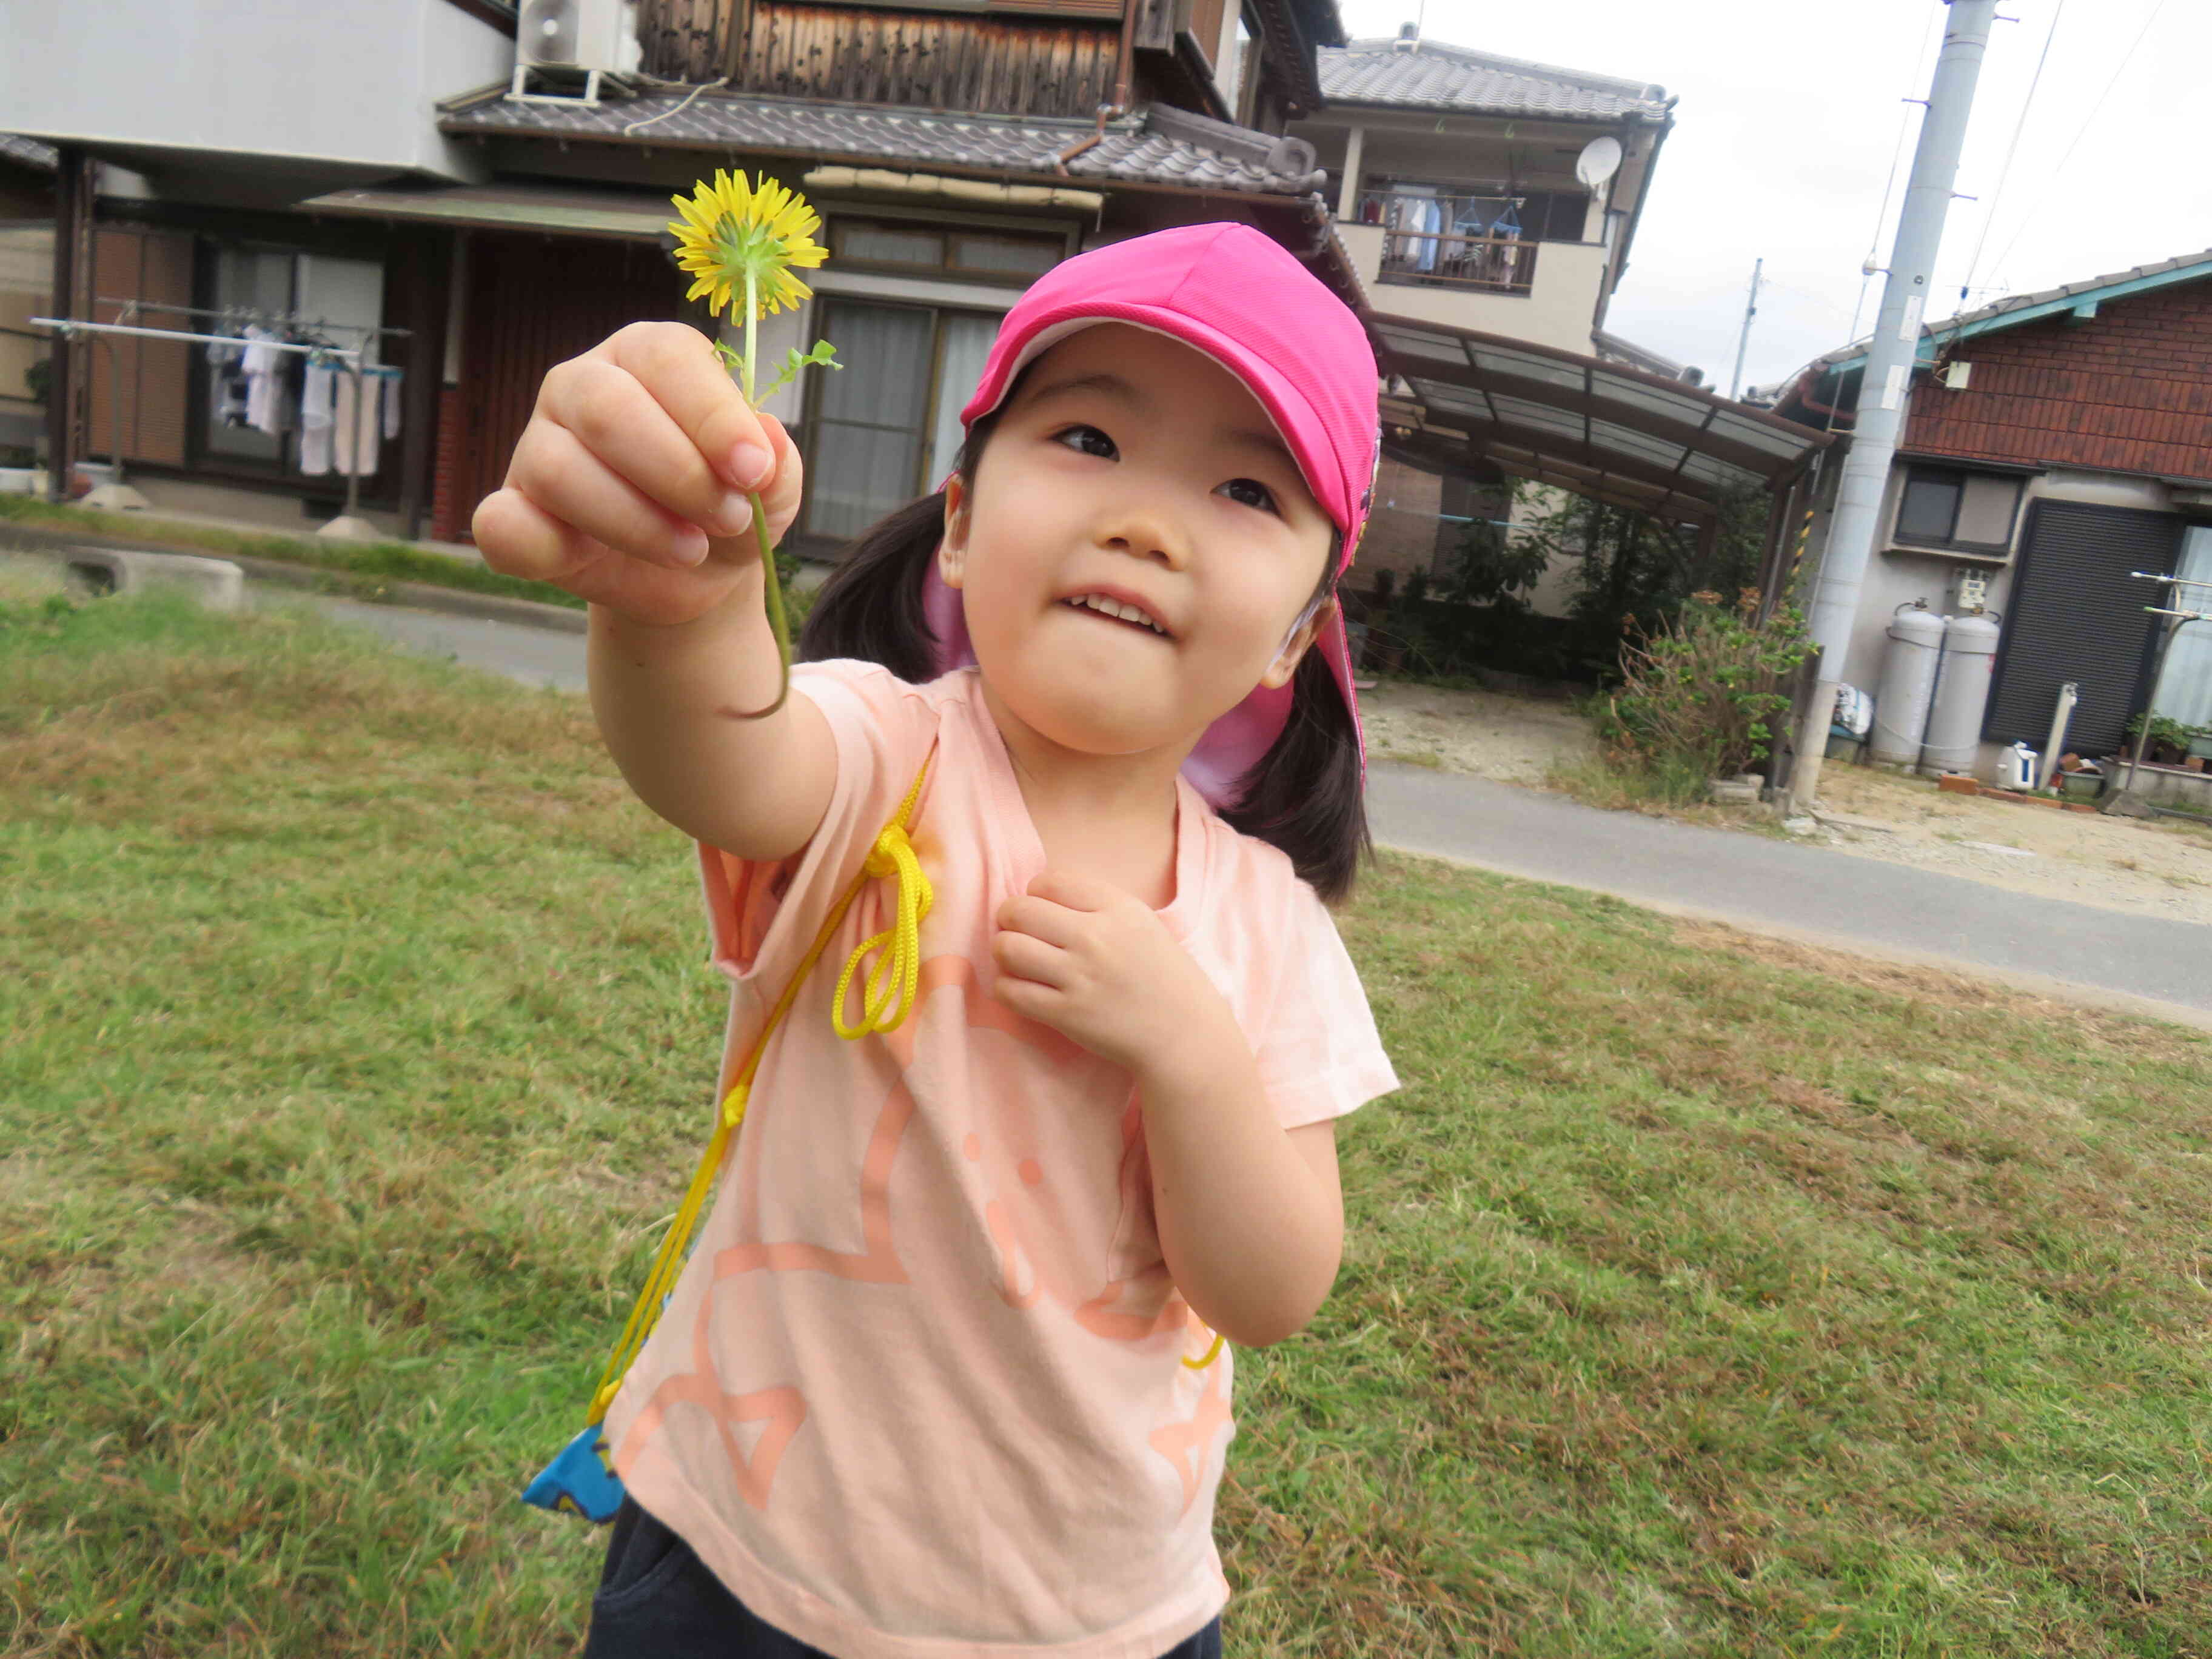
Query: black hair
(1303, 795)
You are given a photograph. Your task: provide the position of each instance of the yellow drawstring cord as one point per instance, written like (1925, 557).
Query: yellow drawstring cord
(892, 855)
(1200, 1365)
(898, 969)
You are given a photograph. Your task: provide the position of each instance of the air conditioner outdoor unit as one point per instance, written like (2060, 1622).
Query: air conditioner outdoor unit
(590, 38)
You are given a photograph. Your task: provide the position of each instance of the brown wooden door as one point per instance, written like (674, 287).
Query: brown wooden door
(533, 302)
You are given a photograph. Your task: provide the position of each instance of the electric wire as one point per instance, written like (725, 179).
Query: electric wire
(2095, 110)
(2012, 150)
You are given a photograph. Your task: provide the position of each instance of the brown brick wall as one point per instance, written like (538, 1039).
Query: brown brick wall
(2127, 390)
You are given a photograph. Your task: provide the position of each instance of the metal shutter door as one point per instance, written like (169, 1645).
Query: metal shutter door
(2076, 616)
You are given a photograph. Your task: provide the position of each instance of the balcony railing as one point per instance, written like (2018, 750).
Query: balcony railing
(1454, 242)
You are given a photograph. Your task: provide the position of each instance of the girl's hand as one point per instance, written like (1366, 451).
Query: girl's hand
(1102, 969)
(628, 487)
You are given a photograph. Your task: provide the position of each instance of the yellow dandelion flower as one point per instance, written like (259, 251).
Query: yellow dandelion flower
(738, 238)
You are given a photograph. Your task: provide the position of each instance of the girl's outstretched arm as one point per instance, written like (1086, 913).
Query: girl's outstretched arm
(629, 487)
(1250, 1216)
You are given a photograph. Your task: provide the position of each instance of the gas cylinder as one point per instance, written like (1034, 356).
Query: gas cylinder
(1908, 678)
(1962, 693)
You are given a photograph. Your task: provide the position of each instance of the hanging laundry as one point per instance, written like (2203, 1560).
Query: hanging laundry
(265, 399)
(354, 432)
(388, 381)
(316, 416)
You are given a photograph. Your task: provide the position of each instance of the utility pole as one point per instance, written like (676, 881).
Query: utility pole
(1886, 387)
(1743, 340)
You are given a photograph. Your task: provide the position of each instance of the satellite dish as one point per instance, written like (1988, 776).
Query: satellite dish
(1599, 161)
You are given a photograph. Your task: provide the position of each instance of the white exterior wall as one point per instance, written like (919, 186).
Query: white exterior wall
(352, 84)
(1557, 311)
(1895, 578)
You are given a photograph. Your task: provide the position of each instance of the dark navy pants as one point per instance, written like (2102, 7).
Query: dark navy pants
(657, 1601)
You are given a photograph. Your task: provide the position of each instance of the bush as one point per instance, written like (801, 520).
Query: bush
(1698, 697)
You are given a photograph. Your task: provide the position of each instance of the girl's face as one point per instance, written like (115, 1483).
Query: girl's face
(1134, 472)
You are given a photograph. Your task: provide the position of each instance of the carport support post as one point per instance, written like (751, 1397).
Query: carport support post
(1885, 390)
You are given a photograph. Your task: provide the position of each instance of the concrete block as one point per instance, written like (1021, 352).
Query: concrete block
(1958, 783)
(216, 583)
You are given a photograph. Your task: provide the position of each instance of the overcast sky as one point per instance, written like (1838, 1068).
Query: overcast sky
(1786, 125)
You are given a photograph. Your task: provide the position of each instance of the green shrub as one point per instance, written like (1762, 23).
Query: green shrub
(1699, 697)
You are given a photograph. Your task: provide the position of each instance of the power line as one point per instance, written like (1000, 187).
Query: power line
(2012, 150)
(2094, 111)
(1896, 155)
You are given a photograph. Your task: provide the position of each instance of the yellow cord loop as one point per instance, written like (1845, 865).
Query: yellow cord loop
(1200, 1365)
(899, 969)
(893, 854)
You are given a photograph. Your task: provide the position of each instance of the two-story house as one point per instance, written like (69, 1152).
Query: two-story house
(377, 170)
(2054, 443)
(1459, 181)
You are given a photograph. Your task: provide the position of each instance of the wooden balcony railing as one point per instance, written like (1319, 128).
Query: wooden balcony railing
(1436, 239)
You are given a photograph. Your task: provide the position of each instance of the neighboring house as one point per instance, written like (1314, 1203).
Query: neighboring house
(380, 172)
(1453, 174)
(2054, 444)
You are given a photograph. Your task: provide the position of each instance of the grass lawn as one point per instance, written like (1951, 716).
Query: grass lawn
(1702, 1296)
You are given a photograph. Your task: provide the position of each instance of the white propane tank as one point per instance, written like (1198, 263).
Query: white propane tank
(1962, 692)
(1908, 681)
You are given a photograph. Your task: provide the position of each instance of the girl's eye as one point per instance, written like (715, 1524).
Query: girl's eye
(1089, 440)
(1250, 492)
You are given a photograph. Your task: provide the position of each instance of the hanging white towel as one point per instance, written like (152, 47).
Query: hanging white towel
(315, 417)
(388, 381)
(264, 401)
(355, 441)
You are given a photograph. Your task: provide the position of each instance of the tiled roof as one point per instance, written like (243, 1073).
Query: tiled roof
(29, 152)
(1158, 145)
(1981, 321)
(1434, 75)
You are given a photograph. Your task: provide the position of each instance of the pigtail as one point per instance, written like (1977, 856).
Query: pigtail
(1305, 795)
(870, 607)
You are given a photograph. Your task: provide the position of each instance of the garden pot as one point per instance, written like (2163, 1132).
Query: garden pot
(2081, 786)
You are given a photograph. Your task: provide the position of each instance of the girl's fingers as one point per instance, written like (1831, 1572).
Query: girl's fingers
(1042, 919)
(1075, 892)
(518, 537)
(567, 480)
(686, 376)
(1025, 957)
(781, 498)
(617, 418)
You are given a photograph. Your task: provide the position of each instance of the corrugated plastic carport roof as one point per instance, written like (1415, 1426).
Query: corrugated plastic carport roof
(1598, 429)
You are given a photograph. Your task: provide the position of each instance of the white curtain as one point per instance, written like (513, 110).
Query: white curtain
(2184, 690)
(867, 445)
(967, 343)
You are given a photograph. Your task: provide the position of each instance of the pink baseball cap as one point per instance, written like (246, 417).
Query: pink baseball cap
(1246, 302)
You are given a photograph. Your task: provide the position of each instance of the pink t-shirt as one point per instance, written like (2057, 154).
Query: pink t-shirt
(918, 1393)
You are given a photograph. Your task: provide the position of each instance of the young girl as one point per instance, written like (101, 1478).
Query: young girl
(943, 1376)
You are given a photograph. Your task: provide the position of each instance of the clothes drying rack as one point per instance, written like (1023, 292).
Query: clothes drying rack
(70, 327)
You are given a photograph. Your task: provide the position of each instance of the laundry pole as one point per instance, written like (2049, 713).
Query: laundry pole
(1885, 391)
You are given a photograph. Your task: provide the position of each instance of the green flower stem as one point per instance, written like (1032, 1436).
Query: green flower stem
(771, 579)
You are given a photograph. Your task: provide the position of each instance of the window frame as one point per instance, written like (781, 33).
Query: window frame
(804, 538)
(1961, 476)
(840, 224)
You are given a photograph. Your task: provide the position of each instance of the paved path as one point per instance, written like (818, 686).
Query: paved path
(1766, 886)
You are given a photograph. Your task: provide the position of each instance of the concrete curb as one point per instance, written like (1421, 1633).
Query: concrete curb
(421, 596)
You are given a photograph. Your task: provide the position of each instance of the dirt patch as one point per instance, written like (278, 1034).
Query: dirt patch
(1488, 734)
(2158, 869)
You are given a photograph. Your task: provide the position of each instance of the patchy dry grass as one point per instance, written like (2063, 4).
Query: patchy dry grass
(1703, 1295)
